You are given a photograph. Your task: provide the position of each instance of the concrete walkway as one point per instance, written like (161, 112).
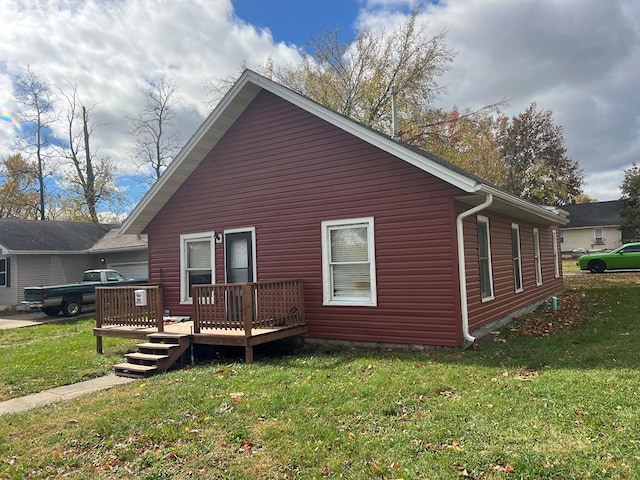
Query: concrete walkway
(58, 394)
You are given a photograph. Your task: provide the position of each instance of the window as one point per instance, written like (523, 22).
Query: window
(196, 262)
(348, 262)
(515, 253)
(484, 254)
(4, 272)
(114, 277)
(556, 256)
(536, 256)
(598, 236)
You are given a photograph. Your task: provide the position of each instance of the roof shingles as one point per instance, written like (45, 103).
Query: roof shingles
(18, 235)
(597, 214)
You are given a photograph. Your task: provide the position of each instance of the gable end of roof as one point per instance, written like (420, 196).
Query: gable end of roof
(234, 104)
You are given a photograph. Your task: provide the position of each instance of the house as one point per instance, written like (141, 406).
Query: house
(592, 226)
(125, 253)
(44, 253)
(393, 245)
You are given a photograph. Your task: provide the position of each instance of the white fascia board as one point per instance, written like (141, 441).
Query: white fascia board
(118, 249)
(48, 252)
(542, 212)
(591, 227)
(4, 250)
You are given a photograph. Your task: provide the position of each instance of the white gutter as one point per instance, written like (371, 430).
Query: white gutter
(462, 271)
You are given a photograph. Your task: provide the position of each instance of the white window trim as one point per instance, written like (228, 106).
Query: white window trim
(598, 239)
(537, 256)
(483, 219)
(185, 298)
(326, 270)
(556, 255)
(253, 248)
(516, 227)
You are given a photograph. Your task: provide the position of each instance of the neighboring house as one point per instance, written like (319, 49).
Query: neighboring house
(394, 245)
(43, 253)
(592, 226)
(125, 253)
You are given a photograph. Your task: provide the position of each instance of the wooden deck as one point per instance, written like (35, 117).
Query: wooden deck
(243, 315)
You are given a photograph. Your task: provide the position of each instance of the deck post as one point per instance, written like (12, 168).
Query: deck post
(248, 354)
(301, 312)
(247, 308)
(99, 317)
(158, 308)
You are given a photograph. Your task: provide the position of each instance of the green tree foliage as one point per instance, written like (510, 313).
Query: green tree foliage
(630, 211)
(468, 140)
(19, 196)
(71, 203)
(525, 155)
(537, 166)
(356, 79)
(584, 198)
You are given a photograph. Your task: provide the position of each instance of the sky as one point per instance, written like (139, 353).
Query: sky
(580, 59)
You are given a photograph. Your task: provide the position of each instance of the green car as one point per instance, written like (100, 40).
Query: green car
(626, 256)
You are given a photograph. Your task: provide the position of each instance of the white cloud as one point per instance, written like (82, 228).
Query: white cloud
(109, 49)
(578, 58)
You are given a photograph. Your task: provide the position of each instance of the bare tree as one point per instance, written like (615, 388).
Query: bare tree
(38, 115)
(154, 145)
(92, 180)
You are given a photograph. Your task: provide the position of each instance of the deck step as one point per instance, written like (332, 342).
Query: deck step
(134, 370)
(145, 357)
(169, 338)
(156, 346)
(168, 335)
(159, 354)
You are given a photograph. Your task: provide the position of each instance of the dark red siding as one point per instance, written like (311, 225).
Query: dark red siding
(283, 171)
(506, 299)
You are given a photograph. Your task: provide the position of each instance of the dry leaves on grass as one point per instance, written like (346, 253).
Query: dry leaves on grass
(544, 322)
(447, 394)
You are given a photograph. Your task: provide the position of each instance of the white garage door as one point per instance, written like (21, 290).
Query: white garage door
(138, 270)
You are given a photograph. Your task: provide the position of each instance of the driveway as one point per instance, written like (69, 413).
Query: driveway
(34, 318)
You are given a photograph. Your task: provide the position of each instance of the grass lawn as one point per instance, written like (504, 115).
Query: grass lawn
(569, 265)
(551, 397)
(37, 358)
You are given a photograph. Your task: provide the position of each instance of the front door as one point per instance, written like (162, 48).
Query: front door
(238, 251)
(238, 248)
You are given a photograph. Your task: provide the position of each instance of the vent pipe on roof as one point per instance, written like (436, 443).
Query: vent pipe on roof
(394, 113)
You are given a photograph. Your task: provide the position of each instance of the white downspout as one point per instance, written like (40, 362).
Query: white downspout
(462, 271)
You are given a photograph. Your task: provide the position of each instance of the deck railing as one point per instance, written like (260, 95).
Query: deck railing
(117, 306)
(247, 306)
